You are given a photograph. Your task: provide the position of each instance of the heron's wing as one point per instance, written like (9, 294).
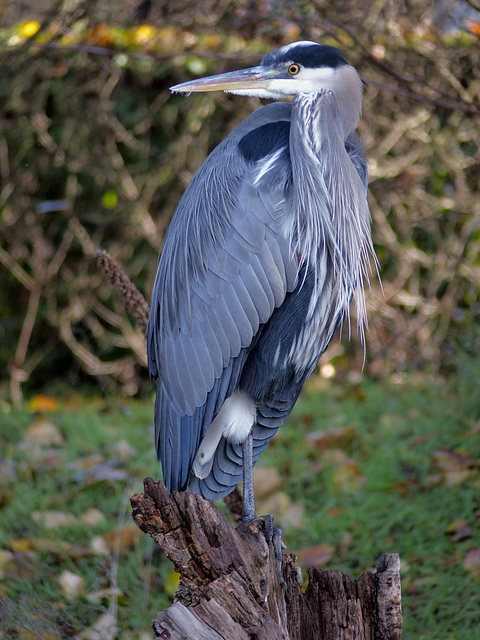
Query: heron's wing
(275, 370)
(225, 267)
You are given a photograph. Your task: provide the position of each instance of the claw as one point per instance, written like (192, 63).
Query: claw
(274, 534)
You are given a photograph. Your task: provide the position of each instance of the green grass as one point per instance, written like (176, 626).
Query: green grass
(381, 488)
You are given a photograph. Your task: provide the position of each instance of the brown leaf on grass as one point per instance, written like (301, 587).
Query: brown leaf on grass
(448, 460)
(404, 487)
(122, 539)
(266, 480)
(123, 450)
(23, 566)
(316, 556)
(58, 548)
(42, 433)
(82, 464)
(346, 543)
(288, 514)
(459, 530)
(92, 517)
(346, 474)
(54, 519)
(105, 596)
(471, 562)
(455, 466)
(6, 558)
(334, 438)
(419, 440)
(103, 629)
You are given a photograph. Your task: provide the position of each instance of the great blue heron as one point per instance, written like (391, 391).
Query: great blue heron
(266, 249)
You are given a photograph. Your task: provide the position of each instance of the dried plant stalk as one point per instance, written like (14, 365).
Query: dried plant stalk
(134, 300)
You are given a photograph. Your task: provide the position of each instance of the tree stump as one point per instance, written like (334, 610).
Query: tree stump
(230, 588)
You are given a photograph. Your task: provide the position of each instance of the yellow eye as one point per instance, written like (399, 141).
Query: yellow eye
(293, 69)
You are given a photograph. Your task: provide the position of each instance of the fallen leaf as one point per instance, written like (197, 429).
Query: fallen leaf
(105, 595)
(122, 539)
(58, 548)
(266, 480)
(459, 530)
(99, 472)
(99, 547)
(346, 543)
(21, 545)
(404, 487)
(87, 462)
(277, 503)
(123, 450)
(92, 517)
(471, 562)
(6, 558)
(447, 460)
(42, 433)
(54, 519)
(316, 556)
(43, 403)
(22, 567)
(288, 515)
(334, 438)
(103, 629)
(171, 583)
(419, 440)
(71, 584)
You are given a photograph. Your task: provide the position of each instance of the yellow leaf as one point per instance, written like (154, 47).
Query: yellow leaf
(144, 33)
(171, 583)
(21, 545)
(29, 29)
(43, 403)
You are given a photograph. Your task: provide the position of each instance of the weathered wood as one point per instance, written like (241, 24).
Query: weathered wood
(230, 587)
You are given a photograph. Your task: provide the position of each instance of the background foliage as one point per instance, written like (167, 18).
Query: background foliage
(95, 153)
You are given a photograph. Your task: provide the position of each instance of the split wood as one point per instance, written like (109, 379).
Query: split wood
(230, 587)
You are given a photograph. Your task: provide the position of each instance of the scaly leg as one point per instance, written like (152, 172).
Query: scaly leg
(248, 497)
(273, 533)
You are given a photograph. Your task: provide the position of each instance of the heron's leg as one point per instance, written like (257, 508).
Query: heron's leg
(273, 533)
(248, 497)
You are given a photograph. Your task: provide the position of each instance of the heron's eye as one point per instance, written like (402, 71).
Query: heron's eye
(293, 69)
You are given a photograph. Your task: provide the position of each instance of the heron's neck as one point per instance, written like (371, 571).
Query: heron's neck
(335, 110)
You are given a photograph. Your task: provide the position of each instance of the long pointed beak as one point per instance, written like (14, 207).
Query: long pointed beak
(245, 79)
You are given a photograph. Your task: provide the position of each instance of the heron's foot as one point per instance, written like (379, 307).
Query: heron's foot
(274, 534)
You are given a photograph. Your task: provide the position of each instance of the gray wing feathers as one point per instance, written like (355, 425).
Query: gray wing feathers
(224, 269)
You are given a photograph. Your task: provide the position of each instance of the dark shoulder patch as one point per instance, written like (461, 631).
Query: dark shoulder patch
(264, 140)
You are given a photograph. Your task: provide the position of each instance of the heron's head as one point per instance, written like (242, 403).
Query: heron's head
(298, 68)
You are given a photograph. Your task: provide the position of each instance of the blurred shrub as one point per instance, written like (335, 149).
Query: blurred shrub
(94, 153)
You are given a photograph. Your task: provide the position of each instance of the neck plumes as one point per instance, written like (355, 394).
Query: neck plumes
(328, 194)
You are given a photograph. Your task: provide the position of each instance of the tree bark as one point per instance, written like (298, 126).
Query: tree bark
(230, 587)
